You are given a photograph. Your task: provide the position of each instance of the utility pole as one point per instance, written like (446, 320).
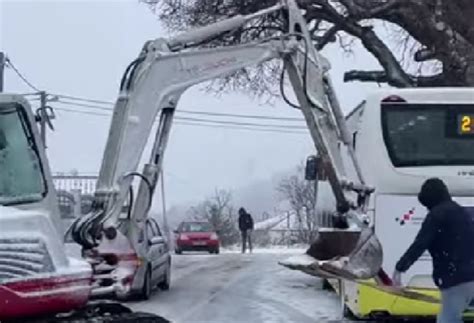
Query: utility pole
(317, 216)
(43, 115)
(2, 69)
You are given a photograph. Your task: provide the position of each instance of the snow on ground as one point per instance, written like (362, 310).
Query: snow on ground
(300, 293)
(273, 249)
(234, 288)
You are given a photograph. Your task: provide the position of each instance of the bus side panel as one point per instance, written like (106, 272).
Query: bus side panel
(398, 219)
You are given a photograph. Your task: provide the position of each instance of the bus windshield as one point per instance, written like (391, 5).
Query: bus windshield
(21, 176)
(428, 134)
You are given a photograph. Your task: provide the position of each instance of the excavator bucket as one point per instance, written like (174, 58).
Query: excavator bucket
(351, 254)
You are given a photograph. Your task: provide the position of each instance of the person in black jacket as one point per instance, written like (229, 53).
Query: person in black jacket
(245, 227)
(448, 234)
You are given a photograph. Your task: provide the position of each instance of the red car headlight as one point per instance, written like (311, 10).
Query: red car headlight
(183, 237)
(214, 237)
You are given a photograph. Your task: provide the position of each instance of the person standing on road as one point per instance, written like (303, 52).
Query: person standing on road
(447, 234)
(245, 227)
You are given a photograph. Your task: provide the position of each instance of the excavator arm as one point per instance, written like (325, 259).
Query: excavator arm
(152, 86)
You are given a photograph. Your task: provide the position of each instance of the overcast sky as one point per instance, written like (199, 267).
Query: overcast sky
(81, 48)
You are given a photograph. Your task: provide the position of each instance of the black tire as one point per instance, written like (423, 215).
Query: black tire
(127, 318)
(133, 318)
(349, 315)
(327, 285)
(107, 312)
(166, 282)
(217, 251)
(178, 251)
(147, 287)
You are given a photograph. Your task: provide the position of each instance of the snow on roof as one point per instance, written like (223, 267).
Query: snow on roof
(270, 223)
(285, 221)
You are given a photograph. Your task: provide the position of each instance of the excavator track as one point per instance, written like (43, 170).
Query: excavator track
(118, 318)
(108, 312)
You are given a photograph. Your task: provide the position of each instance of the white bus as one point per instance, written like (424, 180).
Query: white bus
(403, 137)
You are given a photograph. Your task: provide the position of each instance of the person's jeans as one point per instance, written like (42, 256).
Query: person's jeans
(246, 236)
(454, 301)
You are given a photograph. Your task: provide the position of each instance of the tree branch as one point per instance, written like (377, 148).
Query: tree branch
(366, 76)
(418, 18)
(362, 9)
(368, 37)
(381, 77)
(328, 37)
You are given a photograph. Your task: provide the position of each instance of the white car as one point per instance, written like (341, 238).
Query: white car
(122, 272)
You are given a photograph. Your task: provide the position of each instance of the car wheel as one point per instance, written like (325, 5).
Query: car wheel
(217, 250)
(166, 282)
(178, 251)
(145, 293)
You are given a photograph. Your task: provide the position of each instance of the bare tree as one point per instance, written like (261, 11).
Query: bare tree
(219, 212)
(440, 32)
(301, 196)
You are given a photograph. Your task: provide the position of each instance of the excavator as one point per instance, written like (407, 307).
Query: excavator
(39, 281)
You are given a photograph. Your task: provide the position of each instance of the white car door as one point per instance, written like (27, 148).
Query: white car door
(159, 251)
(153, 253)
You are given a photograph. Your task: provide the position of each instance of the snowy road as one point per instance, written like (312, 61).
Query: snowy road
(232, 287)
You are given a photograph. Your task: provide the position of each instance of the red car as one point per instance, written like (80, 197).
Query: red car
(196, 236)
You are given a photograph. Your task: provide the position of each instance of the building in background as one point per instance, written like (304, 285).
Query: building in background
(75, 194)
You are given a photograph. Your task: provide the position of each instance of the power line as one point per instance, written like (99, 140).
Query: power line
(84, 112)
(239, 123)
(221, 121)
(85, 105)
(217, 114)
(75, 98)
(23, 78)
(238, 128)
(188, 123)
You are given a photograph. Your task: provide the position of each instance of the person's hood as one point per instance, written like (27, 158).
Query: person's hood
(433, 192)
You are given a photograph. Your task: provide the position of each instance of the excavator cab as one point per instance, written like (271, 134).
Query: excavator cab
(34, 262)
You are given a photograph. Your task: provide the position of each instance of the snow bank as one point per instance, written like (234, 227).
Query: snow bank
(299, 260)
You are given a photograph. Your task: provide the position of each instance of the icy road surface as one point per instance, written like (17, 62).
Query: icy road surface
(232, 287)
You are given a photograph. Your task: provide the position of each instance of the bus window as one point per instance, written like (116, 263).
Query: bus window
(426, 135)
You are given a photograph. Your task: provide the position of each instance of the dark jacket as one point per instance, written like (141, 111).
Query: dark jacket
(447, 233)
(245, 221)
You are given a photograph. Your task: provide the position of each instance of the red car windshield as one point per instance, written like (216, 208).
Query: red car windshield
(196, 227)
